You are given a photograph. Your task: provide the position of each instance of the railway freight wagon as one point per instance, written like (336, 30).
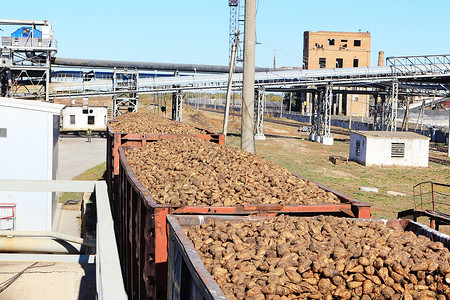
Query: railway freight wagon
(138, 129)
(142, 211)
(210, 259)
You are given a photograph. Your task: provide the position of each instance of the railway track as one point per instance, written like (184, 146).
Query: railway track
(438, 160)
(302, 124)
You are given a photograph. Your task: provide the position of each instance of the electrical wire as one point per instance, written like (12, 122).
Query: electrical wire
(7, 283)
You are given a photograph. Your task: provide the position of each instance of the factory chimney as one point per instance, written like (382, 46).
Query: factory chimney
(380, 58)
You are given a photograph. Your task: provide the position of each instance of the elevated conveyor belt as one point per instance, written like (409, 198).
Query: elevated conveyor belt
(362, 76)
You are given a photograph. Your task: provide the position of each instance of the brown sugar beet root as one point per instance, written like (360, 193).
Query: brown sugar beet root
(149, 123)
(321, 258)
(191, 171)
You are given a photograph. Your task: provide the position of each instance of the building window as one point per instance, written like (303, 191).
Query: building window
(3, 132)
(344, 41)
(322, 62)
(398, 150)
(357, 43)
(91, 120)
(355, 63)
(330, 42)
(72, 119)
(358, 148)
(339, 62)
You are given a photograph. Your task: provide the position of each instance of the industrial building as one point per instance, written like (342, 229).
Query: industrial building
(334, 50)
(385, 148)
(29, 139)
(25, 60)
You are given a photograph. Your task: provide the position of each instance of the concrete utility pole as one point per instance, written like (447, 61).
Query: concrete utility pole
(248, 90)
(229, 90)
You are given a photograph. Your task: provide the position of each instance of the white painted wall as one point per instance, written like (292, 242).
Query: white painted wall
(377, 150)
(29, 151)
(81, 119)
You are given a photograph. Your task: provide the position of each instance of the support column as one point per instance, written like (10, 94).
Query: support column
(315, 115)
(177, 106)
(229, 90)
(328, 107)
(393, 101)
(290, 102)
(248, 90)
(328, 102)
(47, 79)
(339, 99)
(261, 99)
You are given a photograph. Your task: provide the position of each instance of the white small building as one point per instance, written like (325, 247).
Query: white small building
(84, 117)
(29, 139)
(398, 148)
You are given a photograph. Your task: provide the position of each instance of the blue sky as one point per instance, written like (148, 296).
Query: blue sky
(177, 31)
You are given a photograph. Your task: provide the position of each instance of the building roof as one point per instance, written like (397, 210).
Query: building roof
(339, 33)
(31, 105)
(392, 134)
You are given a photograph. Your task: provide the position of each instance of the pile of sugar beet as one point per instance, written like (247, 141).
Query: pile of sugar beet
(321, 258)
(150, 123)
(192, 171)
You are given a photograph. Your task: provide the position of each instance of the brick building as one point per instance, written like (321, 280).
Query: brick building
(332, 49)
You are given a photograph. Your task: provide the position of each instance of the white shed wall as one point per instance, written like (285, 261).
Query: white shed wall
(81, 120)
(377, 151)
(24, 153)
(29, 151)
(361, 158)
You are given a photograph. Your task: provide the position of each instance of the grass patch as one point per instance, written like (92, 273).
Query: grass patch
(94, 174)
(312, 161)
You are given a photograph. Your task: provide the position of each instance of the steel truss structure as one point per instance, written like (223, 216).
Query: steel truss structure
(25, 67)
(393, 102)
(321, 111)
(420, 64)
(417, 78)
(260, 107)
(124, 84)
(237, 20)
(177, 106)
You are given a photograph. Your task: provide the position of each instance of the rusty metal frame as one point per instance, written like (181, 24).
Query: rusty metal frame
(183, 257)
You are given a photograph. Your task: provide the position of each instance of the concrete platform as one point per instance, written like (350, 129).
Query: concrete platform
(48, 281)
(76, 155)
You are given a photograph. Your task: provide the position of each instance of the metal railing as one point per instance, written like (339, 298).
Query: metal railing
(26, 42)
(432, 196)
(108, 272)
(420, 64)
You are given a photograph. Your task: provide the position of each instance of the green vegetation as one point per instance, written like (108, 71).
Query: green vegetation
(312, 161)
(94, 174)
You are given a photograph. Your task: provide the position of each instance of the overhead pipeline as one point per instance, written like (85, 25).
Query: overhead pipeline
(131, 65)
